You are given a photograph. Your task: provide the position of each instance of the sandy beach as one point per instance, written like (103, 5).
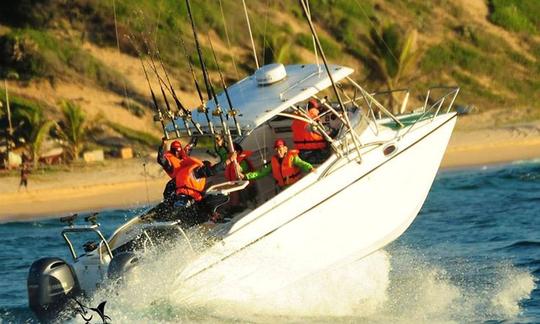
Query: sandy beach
(127, 183)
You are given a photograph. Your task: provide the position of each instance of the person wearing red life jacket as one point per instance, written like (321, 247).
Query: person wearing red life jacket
(171, 161)
(286, 166)
(312, 146)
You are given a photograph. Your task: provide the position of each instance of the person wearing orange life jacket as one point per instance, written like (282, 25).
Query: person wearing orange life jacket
(242, 158)
(190, 181)
(312, 146)
(171, 161)
(286, 166)
(238, 163)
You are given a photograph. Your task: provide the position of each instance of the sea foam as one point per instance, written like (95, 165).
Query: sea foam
(397, 285)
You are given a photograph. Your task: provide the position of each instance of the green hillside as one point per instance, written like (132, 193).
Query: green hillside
(490, 48)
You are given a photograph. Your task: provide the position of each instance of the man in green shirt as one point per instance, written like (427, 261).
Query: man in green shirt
(286, 166)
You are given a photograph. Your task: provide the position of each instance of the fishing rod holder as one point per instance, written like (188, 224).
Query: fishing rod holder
(217, 111)
(202, 109)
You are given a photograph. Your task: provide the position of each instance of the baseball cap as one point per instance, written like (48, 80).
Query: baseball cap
(279, 142)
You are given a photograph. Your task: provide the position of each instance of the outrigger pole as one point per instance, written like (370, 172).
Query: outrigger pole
(341, 105)
(159, 114)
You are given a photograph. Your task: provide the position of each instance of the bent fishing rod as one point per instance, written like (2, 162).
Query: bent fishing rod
(159, 114)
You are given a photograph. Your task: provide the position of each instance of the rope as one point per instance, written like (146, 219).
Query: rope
(228, 40)
(264, 35)
(313, 38)
(120, 52)
(157, 23)
(250, 34)
(259, 149)
(376, 31)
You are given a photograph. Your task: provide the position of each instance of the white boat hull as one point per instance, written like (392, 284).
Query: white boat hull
(344, 216)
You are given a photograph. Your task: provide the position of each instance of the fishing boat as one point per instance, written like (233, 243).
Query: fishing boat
(362, 197)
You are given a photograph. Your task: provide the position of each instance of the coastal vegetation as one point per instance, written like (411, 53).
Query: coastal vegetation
(490, 48)
(34, 128)
(73, 129)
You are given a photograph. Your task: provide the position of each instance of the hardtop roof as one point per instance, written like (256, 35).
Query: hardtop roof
(256, 104)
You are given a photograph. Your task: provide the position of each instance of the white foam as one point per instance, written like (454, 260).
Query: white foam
(385, 287)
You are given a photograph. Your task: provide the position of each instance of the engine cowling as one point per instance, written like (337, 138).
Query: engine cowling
(51, 284)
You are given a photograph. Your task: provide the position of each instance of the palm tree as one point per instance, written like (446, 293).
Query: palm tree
(74, 128)
(35, 128)
(394, 55)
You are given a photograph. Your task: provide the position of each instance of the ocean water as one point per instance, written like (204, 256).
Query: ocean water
(472, 255)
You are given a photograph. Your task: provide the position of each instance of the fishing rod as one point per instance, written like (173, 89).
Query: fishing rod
(182, 110)
(319, 47)
(203, 66)
(199, 51)
(231, 112)
(159, 115)
(226, 131)
(180, 113)
(209, 88)
(202, 108)
(190, 63)
(170, 114)
(203, 103)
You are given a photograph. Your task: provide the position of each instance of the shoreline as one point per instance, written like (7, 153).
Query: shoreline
(121, 184)
(53, 203)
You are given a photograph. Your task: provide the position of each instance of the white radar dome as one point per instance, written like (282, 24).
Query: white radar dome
(270, 73)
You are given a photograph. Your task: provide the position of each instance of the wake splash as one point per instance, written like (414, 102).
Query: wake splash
(397, 285)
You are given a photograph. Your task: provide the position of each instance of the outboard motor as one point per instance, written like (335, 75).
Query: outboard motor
(51, 283)
(121, 264)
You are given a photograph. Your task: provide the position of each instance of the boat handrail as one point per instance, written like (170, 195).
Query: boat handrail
(85, 228)
(438, 104)
(444, 103)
